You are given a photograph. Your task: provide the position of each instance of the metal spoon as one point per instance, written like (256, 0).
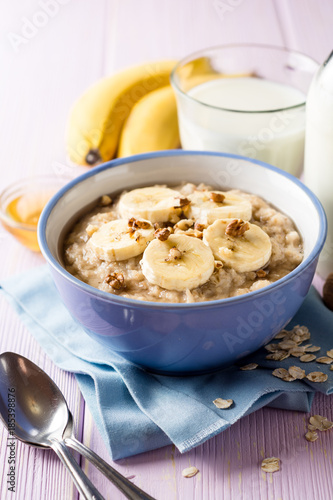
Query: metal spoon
(42, 419)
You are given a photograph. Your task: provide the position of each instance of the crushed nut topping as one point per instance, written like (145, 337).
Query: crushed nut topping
(325, 360)
(218, 264)
(296, 372)
(217, 197)
(162, 234)
(174, 254)
(311, 436)
(307, 358)
(138, 224)
(250, 366)
(237, 227)
(261, 273)
(317, 377)
(190, 472)
(115, 280)
(105, 200)
(270, 464)
(223, 403)
(320, 423)
(199, 227)
(183, 202)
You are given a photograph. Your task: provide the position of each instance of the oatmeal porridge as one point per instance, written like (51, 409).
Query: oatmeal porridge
(187, 243)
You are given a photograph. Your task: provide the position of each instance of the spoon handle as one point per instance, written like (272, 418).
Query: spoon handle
(129, 489)
(83, 484)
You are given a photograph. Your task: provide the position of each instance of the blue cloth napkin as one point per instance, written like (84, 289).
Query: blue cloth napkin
(137, 411)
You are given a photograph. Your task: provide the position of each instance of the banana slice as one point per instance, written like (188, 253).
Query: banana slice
(156, 204)
(116, 240)
(179, 263)
(208, 206)
(243, 252)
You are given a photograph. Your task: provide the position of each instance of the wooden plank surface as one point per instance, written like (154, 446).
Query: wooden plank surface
(80, 43)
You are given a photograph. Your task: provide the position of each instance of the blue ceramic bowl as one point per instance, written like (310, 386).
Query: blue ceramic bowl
(184, 338)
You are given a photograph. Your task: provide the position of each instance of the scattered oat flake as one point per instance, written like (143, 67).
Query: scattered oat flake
(270, 464)
(278, 355)
(311, 436)
(331, 367)
(317, 377)
(281, 334)
(190, 472)
(272, 347)
(330, 353)
(223, 403)
(297, 351)
(321, 423)
(312, 348)
(296, 372)
(306, 358)
(287, 344)
(312, 427)
(325, 360)
(283, 374)
(250, 366)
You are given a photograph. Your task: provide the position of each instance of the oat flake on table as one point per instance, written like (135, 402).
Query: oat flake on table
(271, 464)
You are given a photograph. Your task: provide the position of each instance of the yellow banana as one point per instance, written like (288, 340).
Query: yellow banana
(97, 117)
(152, 124)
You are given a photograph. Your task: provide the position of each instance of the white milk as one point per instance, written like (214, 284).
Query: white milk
(318, 165)
(274, 136)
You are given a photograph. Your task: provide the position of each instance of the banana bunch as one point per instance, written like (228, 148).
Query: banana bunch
(174, 256)
(99, 121)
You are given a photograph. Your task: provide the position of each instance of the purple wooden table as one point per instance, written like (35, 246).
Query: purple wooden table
(47, 60)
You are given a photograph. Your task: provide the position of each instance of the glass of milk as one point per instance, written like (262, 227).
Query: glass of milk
(247, 100)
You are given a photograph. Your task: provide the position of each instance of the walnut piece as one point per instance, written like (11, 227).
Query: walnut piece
(115, 280)
(138, 224)
(183, 202)
(105, 200)
(261, 273)
(217, 197)
(199, 227)
(237, 227)
(162, 234)
(174, 254)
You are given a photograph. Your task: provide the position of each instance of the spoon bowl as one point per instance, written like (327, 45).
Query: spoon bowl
(35, 411)
(41, 411)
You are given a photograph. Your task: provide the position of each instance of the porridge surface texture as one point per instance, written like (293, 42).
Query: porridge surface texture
(126, 277)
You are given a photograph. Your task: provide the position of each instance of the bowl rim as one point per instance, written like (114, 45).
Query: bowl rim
(136, 303)
(215, 48)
